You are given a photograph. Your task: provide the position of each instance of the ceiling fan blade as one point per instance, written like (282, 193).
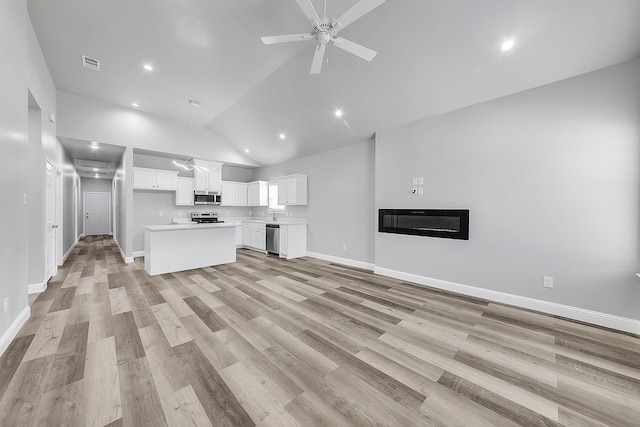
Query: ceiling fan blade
(286, 38)
(358, 50)
(358, 10)
(308, 9)
(316, 65)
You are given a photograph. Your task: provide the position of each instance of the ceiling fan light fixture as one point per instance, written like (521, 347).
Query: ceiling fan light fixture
(325, 29)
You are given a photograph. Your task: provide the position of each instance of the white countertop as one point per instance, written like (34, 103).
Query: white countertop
(188, 226)
(288, 221)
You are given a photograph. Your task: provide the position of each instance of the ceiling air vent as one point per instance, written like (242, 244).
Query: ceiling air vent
(92, 164)
(90, 63)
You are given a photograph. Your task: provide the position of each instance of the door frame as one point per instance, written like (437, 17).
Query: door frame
(57, 220)
(84, 210)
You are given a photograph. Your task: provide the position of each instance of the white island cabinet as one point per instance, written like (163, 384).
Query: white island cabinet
(178, 247)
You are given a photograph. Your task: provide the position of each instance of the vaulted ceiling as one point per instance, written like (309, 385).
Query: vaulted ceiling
(433, 56)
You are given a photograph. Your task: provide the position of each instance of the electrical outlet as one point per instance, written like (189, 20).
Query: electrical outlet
(420, 191)
(420, 180)
(344, 247)
(160, 213)
(6, 305)
(414, 180)
(547, 282)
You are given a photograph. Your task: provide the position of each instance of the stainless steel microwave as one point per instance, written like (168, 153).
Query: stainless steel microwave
(206, 198)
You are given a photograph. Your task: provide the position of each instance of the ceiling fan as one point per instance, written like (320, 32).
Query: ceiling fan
(326, 29)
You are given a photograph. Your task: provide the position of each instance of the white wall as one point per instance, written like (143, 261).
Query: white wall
(24, 71)
(71, 188)
(88, 119)
(120, 200)
(551, 179)
(340, 200)
(13, 174)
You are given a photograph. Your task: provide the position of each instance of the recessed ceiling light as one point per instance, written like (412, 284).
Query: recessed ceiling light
(282, 136)
(96, 169)
(507, 45)
(246, 150)
(134, 104)
(338, 113)
(97, 176)
(148, 67)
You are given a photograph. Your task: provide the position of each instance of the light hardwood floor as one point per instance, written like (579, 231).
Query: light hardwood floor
(301, 342)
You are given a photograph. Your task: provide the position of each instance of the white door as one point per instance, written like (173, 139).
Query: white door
(96, 213)
(51, 225)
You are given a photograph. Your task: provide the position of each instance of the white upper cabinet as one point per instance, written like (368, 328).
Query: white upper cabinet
(208, 180)
(234, 193)
(184, 192)
(258, 193)
(292, 190)
(155, 179)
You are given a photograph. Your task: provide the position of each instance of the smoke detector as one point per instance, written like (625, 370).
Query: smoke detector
(90, 63)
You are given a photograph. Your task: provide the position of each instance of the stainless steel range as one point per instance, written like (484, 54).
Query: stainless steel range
(205, 217)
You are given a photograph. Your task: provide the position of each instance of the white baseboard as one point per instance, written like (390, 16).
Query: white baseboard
(575, 313)
(36, 288)
(13, 329)
(66, 255)
(345, 261)
(126, 259)
(138, 253)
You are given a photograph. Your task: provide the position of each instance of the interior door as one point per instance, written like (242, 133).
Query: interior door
(50, 228)
(96, 213)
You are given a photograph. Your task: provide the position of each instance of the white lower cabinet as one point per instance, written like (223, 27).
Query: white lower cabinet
(254, 235)
(293, 238)
(293, 241)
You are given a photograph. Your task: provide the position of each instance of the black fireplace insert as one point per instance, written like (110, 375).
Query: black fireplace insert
(445, 223)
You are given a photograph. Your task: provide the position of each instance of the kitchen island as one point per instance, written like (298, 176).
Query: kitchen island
(178, 247)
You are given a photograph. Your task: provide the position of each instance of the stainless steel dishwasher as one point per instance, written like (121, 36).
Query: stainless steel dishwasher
(273, 238)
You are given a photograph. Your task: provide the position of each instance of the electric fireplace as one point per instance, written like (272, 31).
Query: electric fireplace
(445, 223)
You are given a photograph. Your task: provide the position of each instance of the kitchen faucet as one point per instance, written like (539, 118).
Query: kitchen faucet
(274, 213)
